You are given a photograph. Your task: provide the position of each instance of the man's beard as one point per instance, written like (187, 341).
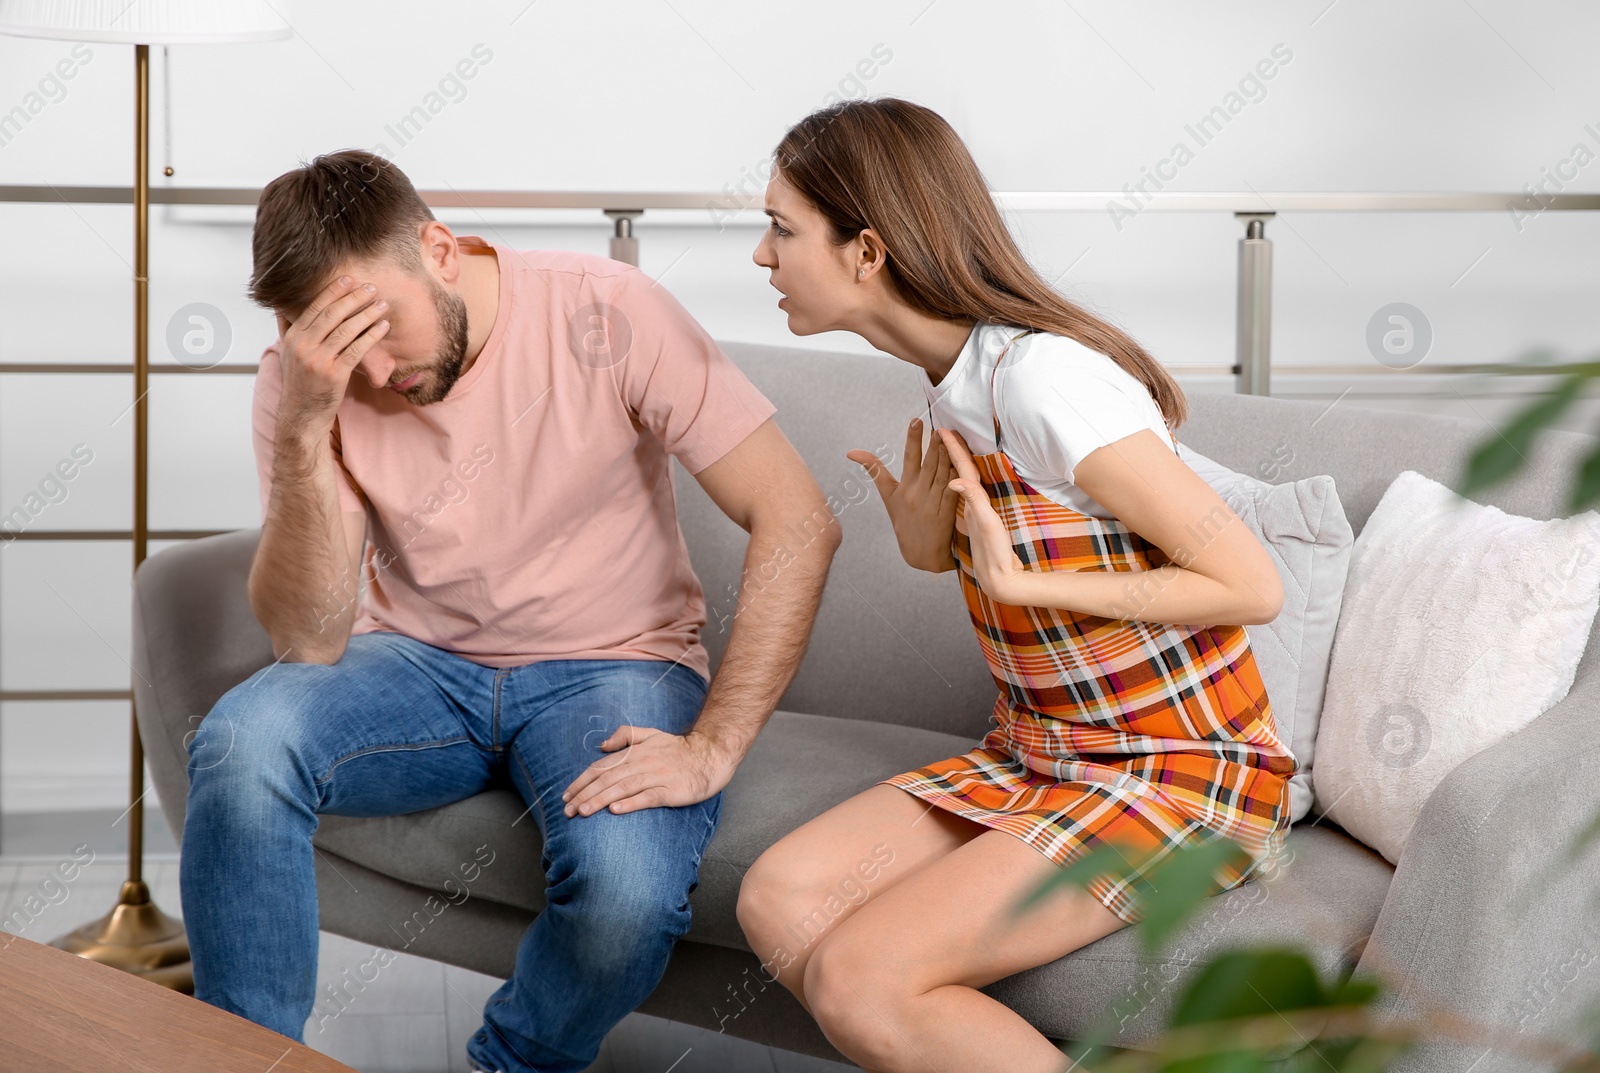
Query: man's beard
(452, 312)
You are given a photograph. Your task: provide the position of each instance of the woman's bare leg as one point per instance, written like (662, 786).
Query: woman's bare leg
(894, 986)
(814, 878)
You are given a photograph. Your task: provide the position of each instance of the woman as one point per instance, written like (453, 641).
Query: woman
(1118, 720)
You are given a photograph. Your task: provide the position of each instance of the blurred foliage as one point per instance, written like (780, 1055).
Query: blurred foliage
(1169, 893)
(1262, 1009)
(1255, 1010)
(1504, 452)
(1587, 837)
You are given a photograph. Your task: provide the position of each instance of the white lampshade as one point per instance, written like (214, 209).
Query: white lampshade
(143, 22)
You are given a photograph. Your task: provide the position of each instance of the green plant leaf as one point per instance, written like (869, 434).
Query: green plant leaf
(1179, 885)
(1586, 492)
(1587, 836)
(1348, 1055)
(1243, 1061)
(1504, 452)
(1356, 991)
(1169, 894)
(1106, 858)
(1248, 983)
(1275, 981)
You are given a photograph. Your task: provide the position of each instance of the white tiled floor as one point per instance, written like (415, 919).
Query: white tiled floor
(415, 1017)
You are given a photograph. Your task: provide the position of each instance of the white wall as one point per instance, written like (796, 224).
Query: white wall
(692, 95)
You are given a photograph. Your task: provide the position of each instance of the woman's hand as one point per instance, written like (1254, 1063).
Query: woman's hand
(922, 508)
(999, 571)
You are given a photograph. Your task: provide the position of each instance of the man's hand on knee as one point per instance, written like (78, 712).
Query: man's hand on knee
(649, 768)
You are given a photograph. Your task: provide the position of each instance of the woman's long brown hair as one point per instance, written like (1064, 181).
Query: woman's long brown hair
(901, 170)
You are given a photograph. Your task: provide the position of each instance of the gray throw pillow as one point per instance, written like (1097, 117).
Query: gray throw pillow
(1303, 527)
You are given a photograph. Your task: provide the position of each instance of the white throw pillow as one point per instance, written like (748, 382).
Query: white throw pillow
(1461, 625)
(1303, 527)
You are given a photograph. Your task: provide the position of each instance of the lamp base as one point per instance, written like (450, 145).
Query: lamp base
(137, 938)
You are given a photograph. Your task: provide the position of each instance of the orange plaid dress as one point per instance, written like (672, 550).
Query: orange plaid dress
(1146, 733)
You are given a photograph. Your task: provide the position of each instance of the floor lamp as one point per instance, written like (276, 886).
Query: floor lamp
(136, 936)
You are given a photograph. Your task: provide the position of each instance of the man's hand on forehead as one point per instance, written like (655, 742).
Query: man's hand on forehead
(324, 345)
(324, 298)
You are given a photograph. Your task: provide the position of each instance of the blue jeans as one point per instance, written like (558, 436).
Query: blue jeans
(399, 726)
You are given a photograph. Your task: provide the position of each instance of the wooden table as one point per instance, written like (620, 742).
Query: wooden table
(61, 1011)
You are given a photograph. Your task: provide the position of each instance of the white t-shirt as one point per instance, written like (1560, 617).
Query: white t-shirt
(1057, 400)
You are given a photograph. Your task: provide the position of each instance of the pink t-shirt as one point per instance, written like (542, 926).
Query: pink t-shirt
(530, 515)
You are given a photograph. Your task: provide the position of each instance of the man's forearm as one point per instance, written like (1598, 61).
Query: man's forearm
(302, 586)
(772, 625)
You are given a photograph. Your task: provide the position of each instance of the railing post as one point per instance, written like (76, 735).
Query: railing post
(1253, 329)
(624, 247)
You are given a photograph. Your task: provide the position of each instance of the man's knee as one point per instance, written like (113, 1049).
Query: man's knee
(258, 729)
(634, 869)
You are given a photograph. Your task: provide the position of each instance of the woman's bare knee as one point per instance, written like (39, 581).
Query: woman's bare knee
(815, 877)
(855, 1010)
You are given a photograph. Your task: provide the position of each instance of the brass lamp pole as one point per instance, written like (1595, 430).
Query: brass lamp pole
(136, 936)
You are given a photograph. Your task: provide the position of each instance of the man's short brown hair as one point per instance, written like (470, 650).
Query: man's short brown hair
(349, 205)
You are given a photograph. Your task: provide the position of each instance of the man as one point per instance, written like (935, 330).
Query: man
(498, 477)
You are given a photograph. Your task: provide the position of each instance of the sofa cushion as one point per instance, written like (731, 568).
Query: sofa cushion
(1461, 625)
(1326, 896)
(427, 848)
(1303, 528)
(800, 766)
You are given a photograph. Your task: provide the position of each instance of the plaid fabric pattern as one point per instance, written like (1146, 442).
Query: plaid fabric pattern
(1110, 730)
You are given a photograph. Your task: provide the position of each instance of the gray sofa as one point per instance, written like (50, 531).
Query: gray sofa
(893, 679)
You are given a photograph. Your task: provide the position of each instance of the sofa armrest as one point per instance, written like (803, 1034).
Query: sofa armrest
(194, 638)
(1489, 913)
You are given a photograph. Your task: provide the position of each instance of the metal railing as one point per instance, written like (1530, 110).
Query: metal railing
(1252, 368)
